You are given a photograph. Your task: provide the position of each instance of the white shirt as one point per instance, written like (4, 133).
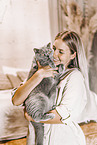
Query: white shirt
(70, 103)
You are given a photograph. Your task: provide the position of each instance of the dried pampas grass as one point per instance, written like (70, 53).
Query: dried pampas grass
(82, 22)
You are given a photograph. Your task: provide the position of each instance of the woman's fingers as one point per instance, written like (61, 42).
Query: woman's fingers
(39, 66)
(50, 72)
(45, 67)
(46, 71)
(25, 112)
(29, 118)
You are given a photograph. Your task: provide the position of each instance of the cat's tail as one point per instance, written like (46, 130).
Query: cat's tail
(39, 132)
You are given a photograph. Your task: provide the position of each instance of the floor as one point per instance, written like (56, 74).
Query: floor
(90, 131)
(16, 142)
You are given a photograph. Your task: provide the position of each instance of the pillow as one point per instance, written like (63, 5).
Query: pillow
(13, 125)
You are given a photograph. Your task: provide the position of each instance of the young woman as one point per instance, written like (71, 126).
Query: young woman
(72, 92)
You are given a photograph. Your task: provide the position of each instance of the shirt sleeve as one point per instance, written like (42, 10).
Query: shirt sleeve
(72, 97)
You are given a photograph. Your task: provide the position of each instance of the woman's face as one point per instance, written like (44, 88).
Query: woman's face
(62, 53)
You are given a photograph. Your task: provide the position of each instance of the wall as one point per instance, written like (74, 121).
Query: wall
(93, 66)
(53, 13)
(24, 24)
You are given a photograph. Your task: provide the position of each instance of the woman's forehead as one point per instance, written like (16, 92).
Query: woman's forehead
(59, 44)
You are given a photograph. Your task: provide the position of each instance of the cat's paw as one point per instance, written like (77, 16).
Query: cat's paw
(47, 117)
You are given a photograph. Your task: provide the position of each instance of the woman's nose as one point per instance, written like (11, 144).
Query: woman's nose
(56, 54)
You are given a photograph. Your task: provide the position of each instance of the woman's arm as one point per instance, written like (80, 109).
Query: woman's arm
(56, 120)
(23, 91)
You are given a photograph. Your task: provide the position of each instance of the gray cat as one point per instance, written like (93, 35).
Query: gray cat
(42, 99)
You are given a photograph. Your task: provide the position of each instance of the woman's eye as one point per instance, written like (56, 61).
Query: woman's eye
(54, 48)
(60, 52)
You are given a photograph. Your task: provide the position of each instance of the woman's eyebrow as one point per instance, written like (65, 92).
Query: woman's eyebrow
(61, 49)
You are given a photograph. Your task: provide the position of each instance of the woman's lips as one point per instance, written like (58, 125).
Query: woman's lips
(56, 60)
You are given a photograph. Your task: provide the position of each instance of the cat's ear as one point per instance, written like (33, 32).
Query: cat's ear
(36, 50)
(49, 45)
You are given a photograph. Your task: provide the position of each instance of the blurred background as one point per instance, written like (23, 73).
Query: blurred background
(25, 24)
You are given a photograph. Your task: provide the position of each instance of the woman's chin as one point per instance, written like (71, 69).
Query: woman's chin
(57, 63)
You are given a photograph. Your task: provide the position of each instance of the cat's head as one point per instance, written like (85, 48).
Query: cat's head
(45, 55)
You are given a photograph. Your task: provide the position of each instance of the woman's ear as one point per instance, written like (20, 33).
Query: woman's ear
(73, 55)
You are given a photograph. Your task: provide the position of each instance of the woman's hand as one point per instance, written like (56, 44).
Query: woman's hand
(23, 91)
(29, 118)
(46, 71)
(56, 120)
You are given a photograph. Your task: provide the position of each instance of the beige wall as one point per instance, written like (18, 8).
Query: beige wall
(53, 13)
(24, 24)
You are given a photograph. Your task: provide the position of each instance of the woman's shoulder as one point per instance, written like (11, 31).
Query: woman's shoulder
(73, 76)
(76, 72)
(76, 75)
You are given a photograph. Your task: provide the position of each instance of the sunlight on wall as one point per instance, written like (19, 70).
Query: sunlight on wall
(25, 25)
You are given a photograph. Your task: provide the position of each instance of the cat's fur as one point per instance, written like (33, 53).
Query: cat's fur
(42, 99)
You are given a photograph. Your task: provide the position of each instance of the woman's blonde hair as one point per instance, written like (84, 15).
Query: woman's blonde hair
(72, 40)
